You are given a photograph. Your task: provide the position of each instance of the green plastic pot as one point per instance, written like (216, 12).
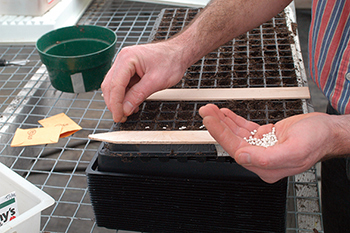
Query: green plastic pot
(77, 58)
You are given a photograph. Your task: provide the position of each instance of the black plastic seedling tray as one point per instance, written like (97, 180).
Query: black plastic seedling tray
(157, 203)
(207, 165)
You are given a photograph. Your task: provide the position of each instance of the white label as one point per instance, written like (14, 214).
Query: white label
(8, 208)
(78, 82)
(220, 151)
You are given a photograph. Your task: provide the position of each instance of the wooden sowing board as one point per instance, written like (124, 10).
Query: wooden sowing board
(156, 137)
(159, 137)
(231, 94)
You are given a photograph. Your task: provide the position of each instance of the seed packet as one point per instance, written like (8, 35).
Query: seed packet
(69, 127)
(36, 136)
(55, 127)
(8, 208)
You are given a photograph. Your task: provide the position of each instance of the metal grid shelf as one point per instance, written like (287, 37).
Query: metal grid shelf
(27, 96)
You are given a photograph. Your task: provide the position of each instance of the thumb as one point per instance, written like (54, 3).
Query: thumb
(260, 157)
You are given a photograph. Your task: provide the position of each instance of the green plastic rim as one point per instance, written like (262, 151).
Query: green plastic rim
(77, 57)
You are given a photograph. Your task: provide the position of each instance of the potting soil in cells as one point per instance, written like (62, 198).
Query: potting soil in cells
(8, 208)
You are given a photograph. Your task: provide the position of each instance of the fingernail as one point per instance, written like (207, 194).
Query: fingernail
(244, 158)
(123, 119)
(128, 108)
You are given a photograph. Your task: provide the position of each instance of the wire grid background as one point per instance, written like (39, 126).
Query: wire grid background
(27, 96)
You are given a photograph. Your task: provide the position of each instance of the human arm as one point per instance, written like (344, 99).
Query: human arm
(220, 22)
(303, 140)
(139, 71)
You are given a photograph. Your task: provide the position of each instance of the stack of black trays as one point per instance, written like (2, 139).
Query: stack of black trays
(182, 193)
(189, 188)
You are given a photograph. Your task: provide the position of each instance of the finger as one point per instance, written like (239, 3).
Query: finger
(124, 118)
(139, 92)
(264, 129)
(109, 94)
(115, 85)
(247, 127)
(254, 156)
(223, 135)
(211, 110)
(228, 117)
(116, 94)
(214, 111)
(105, 87)
(240, 126)
(240, 121)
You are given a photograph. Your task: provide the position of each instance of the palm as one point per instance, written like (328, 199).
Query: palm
(301, 141)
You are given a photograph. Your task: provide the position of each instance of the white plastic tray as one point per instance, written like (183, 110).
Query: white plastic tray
(30, 200)
(26, 7)
(27, 29)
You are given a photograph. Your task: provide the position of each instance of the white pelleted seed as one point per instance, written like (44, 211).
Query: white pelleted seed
(267, 140)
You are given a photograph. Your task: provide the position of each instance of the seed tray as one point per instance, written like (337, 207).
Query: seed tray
(189, 161)
(266, 56)
(157, 203)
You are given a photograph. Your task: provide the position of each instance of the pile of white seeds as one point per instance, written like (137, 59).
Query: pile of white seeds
(267, 140)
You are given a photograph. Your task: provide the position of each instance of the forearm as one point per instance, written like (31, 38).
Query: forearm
(221, 21)
(340, 136)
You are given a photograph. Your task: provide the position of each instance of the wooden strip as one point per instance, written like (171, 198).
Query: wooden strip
(155, 137)
(231, 94)
(159, 137)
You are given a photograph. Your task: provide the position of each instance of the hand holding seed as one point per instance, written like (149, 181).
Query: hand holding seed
(137, 72)
(286, 148)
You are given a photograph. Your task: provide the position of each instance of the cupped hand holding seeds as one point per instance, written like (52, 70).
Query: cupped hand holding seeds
(302, 140)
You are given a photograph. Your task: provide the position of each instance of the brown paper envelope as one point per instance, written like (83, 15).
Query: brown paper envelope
(36, 136)
(69, 127)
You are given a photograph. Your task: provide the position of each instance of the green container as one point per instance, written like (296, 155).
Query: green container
(77, 57)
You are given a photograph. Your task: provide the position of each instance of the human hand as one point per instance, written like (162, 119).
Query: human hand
(303, 140)
(138, 72)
